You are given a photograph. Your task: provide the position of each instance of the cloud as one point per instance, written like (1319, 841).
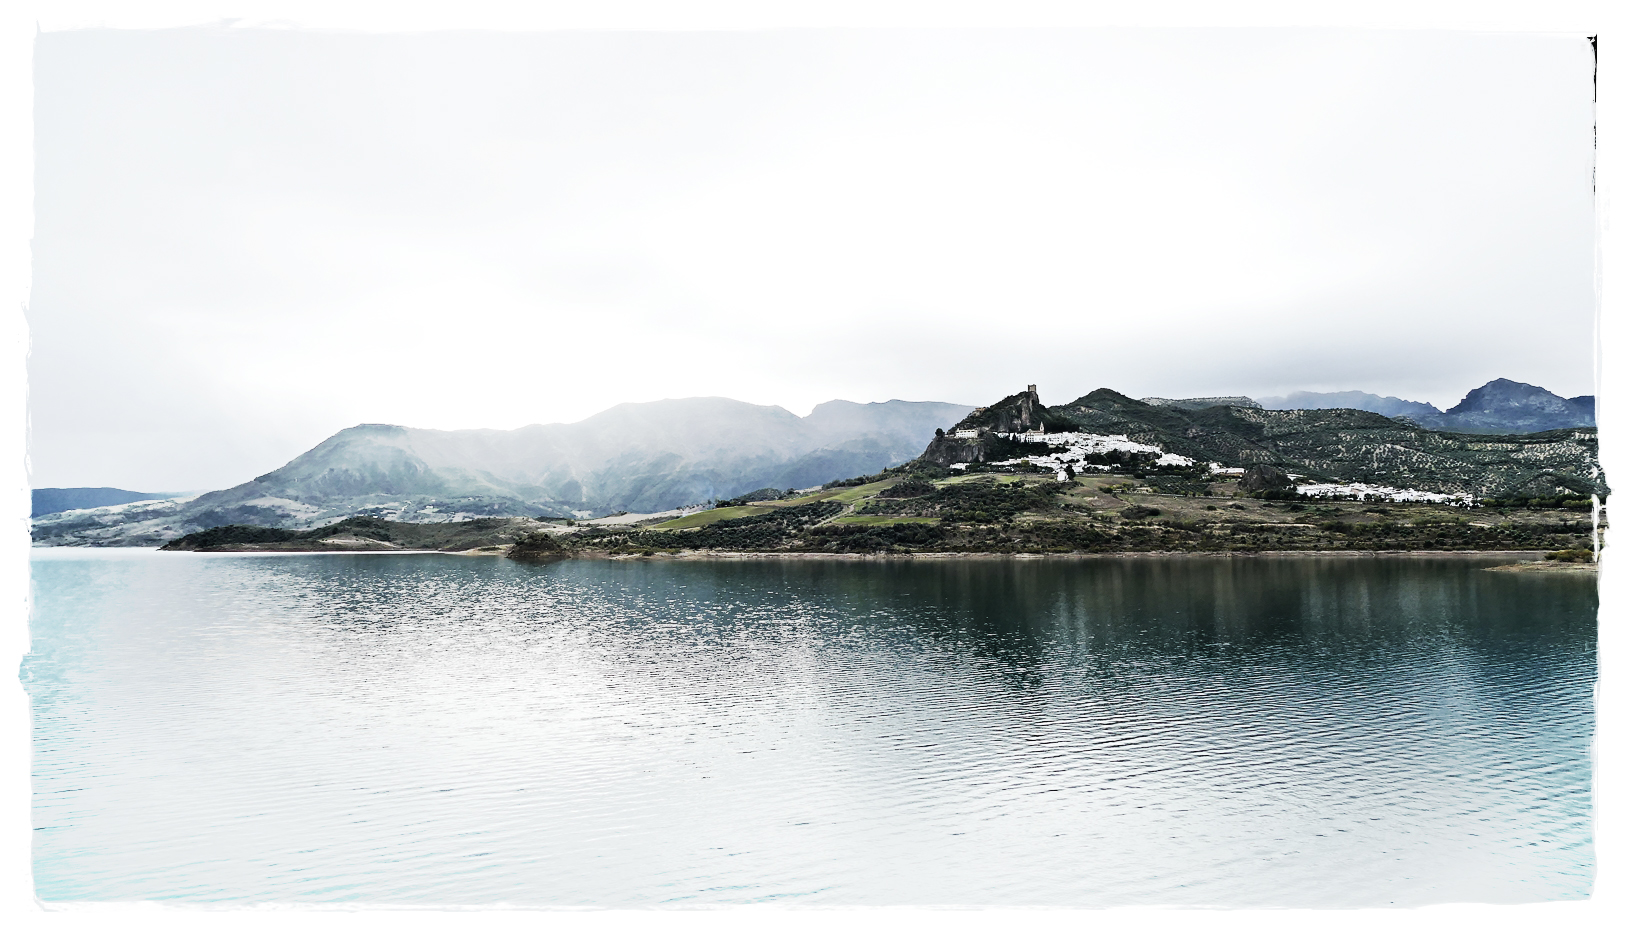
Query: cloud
(247, 240)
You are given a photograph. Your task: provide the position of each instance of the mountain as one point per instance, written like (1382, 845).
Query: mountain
(63, 499)
(1510, 406)
(638, 457)
(1499, 407)
(1340, 445)
(1352, 399)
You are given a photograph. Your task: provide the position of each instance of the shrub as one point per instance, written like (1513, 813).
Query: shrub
(755, 496)
(231, 535)
(906, 489)
(537, 546)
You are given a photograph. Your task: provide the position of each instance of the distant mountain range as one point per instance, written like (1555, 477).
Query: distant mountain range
(636, 457)
(62, 499)
(1499, 407)
(1352, 399)
(652, 457)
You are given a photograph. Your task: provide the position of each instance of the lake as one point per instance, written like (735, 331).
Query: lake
(442, 729)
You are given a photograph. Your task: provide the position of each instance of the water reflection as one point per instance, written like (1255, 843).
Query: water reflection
(464, 730)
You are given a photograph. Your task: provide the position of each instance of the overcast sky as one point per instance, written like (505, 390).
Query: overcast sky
(247, 240)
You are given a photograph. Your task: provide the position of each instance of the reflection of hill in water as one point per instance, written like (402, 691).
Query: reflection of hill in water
(1110, 619)
(1116, 731)
(1034, 616)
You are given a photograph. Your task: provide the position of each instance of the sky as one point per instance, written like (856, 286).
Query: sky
(249, 239)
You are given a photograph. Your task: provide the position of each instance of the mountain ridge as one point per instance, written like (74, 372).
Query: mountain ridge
(644, 457)
(50, 500)
(1500, 406)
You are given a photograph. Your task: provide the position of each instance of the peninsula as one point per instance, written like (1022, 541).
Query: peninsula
(1102, 474)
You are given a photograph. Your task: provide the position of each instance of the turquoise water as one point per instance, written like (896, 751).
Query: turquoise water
(437, 729)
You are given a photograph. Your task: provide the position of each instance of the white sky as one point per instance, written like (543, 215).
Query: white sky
(247, 240)
(131, 427)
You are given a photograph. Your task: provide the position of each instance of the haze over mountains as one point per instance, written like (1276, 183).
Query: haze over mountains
(651, 457)
(637, 457)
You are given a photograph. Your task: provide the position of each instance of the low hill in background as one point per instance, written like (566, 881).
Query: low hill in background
(1353, 399)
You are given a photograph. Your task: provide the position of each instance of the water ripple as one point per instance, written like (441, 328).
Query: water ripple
(460, 730)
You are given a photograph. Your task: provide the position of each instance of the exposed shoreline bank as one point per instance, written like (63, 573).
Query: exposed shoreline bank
(707, 554)
(1535, 556)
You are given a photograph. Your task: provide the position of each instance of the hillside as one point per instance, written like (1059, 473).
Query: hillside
(1008, 513)
(1106, 513)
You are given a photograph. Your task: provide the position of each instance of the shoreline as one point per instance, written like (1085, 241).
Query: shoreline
(713, 554)
(1064, 555)
(1512, 561)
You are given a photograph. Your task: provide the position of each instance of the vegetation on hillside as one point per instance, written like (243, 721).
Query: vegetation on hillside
(1017, 513)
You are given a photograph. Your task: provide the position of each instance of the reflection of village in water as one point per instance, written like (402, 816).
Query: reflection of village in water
(442, 729)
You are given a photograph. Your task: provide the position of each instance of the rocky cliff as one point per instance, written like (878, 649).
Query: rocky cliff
(977, 437)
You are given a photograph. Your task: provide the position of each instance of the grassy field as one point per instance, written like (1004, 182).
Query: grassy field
(846, 495)
(851, 495)
(707, 517)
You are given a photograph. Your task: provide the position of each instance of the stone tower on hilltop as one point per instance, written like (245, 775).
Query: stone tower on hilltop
(977, 437)
(1019, 413)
